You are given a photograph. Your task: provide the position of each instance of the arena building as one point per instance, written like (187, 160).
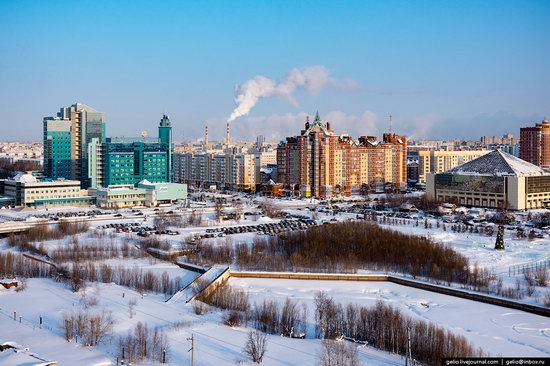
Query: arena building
(494, 180)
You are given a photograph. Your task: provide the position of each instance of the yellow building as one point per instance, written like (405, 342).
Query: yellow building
(439, 161)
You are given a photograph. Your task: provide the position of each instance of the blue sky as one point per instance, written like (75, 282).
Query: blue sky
(441, 68)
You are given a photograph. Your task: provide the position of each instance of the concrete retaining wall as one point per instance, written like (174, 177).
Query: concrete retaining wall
(426, 286)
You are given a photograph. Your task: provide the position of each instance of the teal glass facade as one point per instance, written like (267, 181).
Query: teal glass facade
(165, 136)
(129, 161)
(57, 149)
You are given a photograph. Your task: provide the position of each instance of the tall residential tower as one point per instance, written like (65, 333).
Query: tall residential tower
(535, 144)
(71, 132)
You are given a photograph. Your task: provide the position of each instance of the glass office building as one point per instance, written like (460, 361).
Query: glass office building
(130, 160)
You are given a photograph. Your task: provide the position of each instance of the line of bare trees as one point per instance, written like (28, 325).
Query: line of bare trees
(268, 316)
(382, 326)
(28, 241)
(90, 328)
(210, 254)
(17, 265)
(387, 328)
(97, 251)
(135, 278)
(144, 343)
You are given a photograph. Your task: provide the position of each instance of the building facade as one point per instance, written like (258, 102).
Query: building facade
(438, 161)
(144, 194)
(27, 191)
(57, 148)
(72, 129)
(231, 170)
(130, 160)
(494, 180)
(321, 163)
(535, 144)
(122, 161)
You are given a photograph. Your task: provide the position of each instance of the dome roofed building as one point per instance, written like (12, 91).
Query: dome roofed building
(495, 180)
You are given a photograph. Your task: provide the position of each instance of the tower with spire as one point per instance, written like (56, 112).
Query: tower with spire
(165, 136)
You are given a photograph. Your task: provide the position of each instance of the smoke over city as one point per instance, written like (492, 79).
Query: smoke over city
(311, 78)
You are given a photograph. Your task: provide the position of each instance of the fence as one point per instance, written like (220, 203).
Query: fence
(520, 269)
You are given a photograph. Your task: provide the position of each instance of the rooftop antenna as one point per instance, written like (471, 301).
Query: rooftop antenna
(391, 122)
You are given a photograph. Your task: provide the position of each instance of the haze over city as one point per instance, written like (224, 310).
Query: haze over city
(442, 69)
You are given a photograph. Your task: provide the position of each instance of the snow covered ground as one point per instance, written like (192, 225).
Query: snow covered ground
(497, 330)
(215, 344)
(479, 248)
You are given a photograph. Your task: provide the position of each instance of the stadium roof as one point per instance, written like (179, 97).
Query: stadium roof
(498, 163)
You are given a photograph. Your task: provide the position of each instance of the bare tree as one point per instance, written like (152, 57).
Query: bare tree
(271, 211)
(131, 307)
(91, 328)
(289, 318)
(218, 209)
(238, 208)
(76, 276)
(338, 353)
(256, 345)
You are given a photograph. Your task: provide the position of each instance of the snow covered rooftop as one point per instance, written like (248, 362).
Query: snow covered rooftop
(24, 178)
(498, 163)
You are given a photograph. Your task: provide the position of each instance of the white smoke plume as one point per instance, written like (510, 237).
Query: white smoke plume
(311, 79)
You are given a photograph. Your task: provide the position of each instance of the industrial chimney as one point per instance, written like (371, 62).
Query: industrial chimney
(227, 138)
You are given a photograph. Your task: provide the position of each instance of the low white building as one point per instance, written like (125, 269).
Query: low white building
(26, 190)
(494, 180)
(145, 194)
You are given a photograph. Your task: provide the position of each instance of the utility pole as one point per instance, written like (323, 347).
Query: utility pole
(192, 349)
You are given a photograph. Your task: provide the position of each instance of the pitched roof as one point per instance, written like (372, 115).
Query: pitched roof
(318, 126)
(498, 163)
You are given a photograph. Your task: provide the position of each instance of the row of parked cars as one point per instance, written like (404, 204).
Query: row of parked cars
(271, 228)
(134, 227)
(59, 215)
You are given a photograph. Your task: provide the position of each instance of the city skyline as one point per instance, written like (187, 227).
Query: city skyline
(442, 70)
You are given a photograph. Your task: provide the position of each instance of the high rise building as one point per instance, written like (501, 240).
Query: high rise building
(81, 124)
(230, 170)
(57, 148)
(131, 160)
(321, 163)
(535, 144)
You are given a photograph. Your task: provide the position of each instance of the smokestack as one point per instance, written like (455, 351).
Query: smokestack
(206, 135)
(227, 138)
